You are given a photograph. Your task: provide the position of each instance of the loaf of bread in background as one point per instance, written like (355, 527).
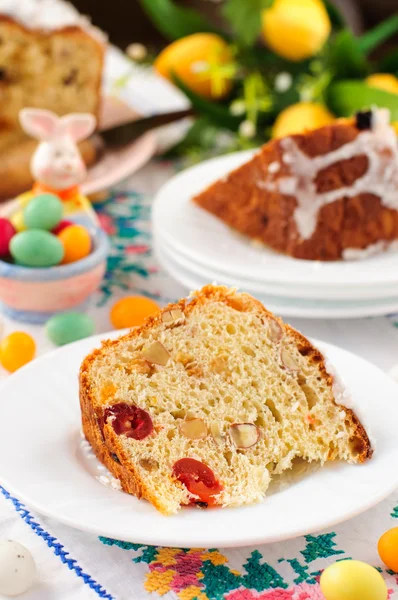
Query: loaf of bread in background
(59, 70)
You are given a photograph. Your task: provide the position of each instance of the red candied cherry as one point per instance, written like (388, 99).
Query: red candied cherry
(129, 420)
(198, 478)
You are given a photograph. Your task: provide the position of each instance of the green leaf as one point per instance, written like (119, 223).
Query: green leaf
(244, 17)
(217, 113)
(345, 57)
(389, 63)
(347, 97)
(335, 15)
(175, 21)
(379, 34)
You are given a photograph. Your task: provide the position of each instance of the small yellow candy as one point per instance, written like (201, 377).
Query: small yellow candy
(388, 548)
(132, 311)
(352, 580)
(16, 350)
(296, 29)
(301, 117)
(18, 222)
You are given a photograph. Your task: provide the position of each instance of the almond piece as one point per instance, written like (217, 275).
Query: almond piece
(244, 435)
(172, 316)
(289, 362)
(194, 429)
(275, 331)
(216, 432)
(156, 354)
(149, 464)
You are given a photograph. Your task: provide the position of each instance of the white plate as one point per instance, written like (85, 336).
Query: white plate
(41, 463)
(270, 288)
(205, 239)
(283, 305)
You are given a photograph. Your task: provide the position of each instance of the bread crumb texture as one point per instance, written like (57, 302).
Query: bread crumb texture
(218, 379)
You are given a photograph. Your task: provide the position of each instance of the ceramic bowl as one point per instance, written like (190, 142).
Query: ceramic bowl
(33, 295)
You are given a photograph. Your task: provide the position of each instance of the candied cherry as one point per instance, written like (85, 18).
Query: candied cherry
(129, 420)
(199, 480)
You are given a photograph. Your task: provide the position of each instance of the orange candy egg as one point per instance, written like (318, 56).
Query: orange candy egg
(388, 548)
(76, 241)
(16, 350)
(132, 311)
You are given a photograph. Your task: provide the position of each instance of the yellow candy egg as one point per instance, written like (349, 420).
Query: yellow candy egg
(352, 580)
(383, 81)
(301, 117)
(17, 221)
(198, 60)
(132, 311)
(388, 548)
(16, 350)
(76, 241)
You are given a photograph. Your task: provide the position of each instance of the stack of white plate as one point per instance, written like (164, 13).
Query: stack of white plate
(197, 248)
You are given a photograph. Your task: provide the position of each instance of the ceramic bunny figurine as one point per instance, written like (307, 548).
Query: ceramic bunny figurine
(57, 165)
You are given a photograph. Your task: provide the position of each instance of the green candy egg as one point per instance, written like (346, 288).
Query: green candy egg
(69, 327)
(36, 248)
(43, 212)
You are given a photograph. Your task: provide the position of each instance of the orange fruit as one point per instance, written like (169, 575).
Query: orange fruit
(197, 60)
(132, 311)
(76, 241)
(16, 350)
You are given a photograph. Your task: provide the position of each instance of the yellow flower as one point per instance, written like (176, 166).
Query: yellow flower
(296, 29)
(203, 61)
(383, 81)
(301, 117)
(386, 82)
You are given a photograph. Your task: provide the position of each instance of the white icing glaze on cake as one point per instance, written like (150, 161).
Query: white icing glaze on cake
(372, 250)
(48, 15)
(378, 144)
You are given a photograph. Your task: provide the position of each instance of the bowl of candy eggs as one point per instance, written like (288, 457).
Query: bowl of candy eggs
(47, 264)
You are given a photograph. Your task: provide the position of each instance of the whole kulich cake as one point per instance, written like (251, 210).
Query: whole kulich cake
(50, 57)
(327, 194)
(211, 398)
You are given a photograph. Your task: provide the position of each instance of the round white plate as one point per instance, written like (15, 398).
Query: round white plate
(205, 239)
(42, 463)
(269, 288)
(283, 305)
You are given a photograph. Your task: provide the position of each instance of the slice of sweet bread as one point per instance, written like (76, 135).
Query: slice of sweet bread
(209, 399)
(326, 194)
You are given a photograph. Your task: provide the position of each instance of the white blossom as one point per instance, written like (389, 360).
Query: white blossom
(283, 81)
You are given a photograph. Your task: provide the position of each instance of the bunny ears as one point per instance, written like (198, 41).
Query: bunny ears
(44, 124)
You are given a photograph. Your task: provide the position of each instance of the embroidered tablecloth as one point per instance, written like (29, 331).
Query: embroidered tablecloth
(75, 565)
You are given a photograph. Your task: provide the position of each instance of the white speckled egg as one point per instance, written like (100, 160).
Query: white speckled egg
(17, 568)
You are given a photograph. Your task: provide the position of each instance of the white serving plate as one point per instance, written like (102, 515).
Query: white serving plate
(278, 289)
(43, 464)
(204, 239)
(285, 306)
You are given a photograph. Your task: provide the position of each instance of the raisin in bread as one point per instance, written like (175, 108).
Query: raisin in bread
(208, 400)
(50, 57)
(327, 194)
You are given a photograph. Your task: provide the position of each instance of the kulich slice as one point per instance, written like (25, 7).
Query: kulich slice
(327, 194)
(208, 400)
